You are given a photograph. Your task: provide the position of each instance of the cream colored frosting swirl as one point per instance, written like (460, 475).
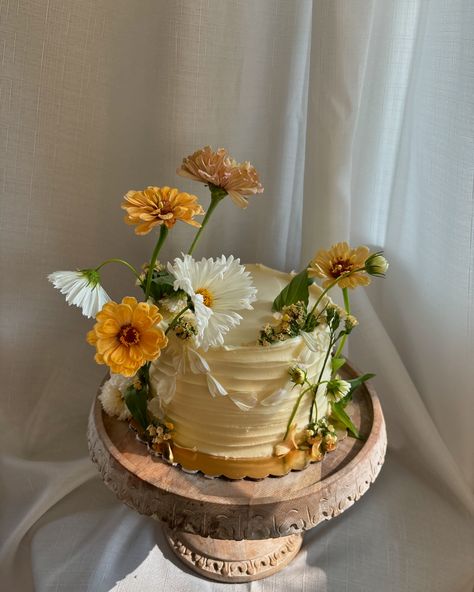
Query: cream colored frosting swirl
(251, 418)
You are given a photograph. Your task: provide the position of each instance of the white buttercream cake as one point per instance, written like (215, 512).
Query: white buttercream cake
(234, 402)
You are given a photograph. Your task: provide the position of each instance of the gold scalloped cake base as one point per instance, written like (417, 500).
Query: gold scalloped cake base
(239, 468)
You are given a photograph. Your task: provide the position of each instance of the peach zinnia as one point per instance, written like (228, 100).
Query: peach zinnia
(341, 262)
(218, 169)
(155, 206)
(126, 335)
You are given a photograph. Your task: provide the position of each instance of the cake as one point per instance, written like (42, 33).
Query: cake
(243, 430)
(222, 368)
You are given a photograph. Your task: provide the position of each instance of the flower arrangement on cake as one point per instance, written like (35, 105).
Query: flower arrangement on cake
(221, 367)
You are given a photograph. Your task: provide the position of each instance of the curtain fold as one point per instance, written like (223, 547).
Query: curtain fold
(359, 117)
(389, 115)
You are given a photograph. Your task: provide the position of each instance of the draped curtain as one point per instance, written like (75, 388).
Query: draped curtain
(359, 116)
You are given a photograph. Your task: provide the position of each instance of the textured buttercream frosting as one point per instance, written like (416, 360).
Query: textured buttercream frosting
(252, 417)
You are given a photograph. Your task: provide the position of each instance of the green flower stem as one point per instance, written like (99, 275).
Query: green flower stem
(217, 195)
(159, 244)
(332, 284)
(320, 313)
(325, 291)
(176, 318)
(295, 409)
(347, 306)
(314, 409)
(107, 261)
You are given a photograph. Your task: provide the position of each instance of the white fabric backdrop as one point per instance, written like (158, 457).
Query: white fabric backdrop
(359, 115)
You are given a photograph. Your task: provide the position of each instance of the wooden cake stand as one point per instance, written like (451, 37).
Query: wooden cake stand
(243, 530)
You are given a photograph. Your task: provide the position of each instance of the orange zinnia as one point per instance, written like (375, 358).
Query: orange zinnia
(160, 205)
(126, 335)
(341, 262)
(219, 169)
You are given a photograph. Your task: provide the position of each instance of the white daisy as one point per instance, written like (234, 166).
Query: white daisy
(112, 396)
(217, 288)
(81, 288)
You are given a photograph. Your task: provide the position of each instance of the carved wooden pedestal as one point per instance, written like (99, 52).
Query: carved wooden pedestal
(234, 561)
(238, 531)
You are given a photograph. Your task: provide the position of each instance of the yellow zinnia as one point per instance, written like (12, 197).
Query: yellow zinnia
(126, 335)
(155, 206)
(341, 262)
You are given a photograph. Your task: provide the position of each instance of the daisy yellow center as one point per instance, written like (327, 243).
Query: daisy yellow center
(207, 297)
(128, 335)
(340, 266)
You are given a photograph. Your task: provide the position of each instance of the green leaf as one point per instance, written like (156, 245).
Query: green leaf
(355, 384)
(136, 401)
(341, 415)
(144, 374)
(295, 291)
(337, 363)
(161, 284)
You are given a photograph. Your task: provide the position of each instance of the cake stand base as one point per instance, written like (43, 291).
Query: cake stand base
(233, 561)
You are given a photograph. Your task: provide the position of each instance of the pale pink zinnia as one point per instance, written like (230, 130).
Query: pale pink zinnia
(219, 169)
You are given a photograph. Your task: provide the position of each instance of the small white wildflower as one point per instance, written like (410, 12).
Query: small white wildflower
(337, 388)
(173, 303)
(112, 396)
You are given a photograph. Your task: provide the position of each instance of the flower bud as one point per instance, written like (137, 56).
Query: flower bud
(376, 264)
(334, 313)
(337, 388)
(332, 309)
(297, 375)
(350, 323)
